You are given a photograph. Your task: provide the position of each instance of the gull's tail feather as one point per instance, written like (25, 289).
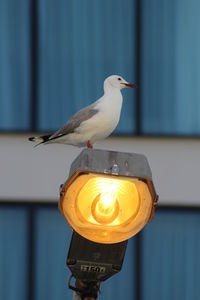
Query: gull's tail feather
(39, 139)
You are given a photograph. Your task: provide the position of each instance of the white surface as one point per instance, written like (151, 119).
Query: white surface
(28, 173)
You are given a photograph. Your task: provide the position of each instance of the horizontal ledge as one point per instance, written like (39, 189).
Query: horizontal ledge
(35, 174)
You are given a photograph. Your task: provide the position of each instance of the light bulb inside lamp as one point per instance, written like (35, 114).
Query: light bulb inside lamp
(105, 208)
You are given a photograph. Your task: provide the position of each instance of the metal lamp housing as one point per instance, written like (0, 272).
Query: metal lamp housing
(109, 196)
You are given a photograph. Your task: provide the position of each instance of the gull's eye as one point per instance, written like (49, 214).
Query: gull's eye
(119, 78)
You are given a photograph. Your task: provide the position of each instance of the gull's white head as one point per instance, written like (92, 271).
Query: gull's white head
(117, 82)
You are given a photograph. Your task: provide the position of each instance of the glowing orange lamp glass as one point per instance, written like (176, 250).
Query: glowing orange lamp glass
(106, 209)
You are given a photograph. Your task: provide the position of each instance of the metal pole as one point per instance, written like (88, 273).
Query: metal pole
(86, 291)
(77, 297)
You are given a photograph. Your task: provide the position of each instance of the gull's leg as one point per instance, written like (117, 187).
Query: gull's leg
(89, 145)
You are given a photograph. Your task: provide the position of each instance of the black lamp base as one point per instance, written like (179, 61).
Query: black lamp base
(91, 263)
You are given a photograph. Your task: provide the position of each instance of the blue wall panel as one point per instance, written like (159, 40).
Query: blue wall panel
(170, 257)
(13, 253)
(170, 66)
(52, 238)
(170, 265)
(80, 44)
(15, 65)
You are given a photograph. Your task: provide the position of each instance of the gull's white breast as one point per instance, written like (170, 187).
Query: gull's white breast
(105, 121)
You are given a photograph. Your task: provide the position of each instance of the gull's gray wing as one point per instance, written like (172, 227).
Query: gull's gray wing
(71, 126)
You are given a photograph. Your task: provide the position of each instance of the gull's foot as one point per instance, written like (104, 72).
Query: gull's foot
(89, 145)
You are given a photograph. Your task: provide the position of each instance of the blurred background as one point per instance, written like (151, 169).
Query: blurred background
(54, 57)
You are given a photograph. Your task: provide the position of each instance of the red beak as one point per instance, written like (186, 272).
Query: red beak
(130, 85)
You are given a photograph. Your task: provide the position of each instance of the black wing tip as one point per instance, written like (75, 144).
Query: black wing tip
(32, 138)
(39, 139)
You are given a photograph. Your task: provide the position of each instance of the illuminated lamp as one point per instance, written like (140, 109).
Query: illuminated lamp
(109, 196)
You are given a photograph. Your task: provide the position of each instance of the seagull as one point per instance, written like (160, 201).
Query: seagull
(94, 122)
